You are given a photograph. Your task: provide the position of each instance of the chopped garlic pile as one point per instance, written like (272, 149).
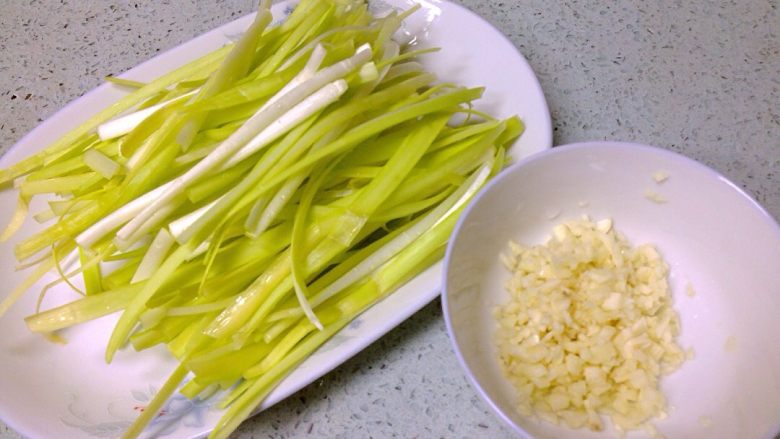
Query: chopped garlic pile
(589, 328)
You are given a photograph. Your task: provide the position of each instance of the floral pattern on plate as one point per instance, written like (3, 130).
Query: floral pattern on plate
(178, 411)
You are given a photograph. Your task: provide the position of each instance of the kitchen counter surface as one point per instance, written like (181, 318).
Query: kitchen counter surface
(697, 77)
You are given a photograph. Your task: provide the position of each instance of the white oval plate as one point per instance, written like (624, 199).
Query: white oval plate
(68, 391)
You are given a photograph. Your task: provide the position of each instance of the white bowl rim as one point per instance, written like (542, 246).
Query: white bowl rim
(561, 149)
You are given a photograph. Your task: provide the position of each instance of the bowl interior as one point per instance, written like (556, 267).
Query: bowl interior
(711, 234)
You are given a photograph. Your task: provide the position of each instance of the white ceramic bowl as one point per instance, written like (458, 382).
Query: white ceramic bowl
(711, 233)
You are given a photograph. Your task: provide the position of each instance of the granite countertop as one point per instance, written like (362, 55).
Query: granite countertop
(697, 77)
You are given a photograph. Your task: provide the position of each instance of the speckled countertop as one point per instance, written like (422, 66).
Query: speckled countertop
(698, 77)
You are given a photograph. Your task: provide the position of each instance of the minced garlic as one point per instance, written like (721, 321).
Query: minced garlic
(589, 328)
(655, 197)
(660, 176)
